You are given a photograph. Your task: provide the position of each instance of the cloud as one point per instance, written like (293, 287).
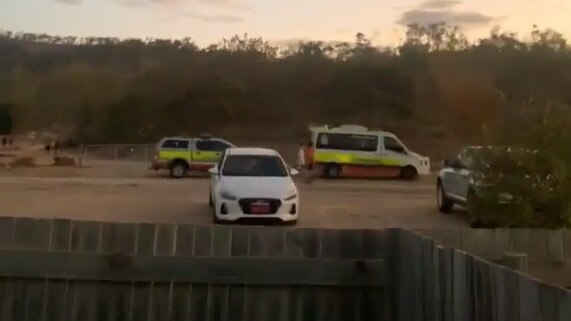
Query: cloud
(425, 17)
(140, 3)
(228, 4)
(225, 4)
(435, 11)
(233, 4)
(70, 2)
(439, 4)
(222, 18)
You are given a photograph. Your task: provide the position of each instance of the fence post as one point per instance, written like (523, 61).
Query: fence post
(516, 261)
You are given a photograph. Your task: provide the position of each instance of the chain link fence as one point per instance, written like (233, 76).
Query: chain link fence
(122, 152)
(146, 152)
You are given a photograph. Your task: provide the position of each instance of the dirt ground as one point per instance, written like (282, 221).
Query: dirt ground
(129, 192)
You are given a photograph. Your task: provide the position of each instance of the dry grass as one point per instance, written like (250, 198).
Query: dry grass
(24, 161)
(64, 161)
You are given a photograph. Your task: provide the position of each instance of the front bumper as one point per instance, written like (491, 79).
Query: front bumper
(235, 212)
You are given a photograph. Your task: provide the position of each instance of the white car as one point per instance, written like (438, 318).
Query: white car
(253, 183)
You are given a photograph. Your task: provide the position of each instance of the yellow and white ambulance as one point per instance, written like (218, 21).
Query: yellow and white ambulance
(356, 151)
(182, 154)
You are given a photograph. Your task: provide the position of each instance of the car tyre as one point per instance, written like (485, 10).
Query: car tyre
(290, 223)
(333, 171)
(445, 204)
(178, 170)
(408, 173)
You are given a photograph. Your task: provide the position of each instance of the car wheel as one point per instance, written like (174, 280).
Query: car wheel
(445, 204)
(333, 171)
(290, 223)
(409, 173)
(218, 221)
(178, 170)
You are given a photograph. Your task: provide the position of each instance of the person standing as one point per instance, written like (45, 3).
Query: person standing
(309, 161)
(300, 160)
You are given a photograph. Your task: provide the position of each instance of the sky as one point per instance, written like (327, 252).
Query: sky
(281, 22)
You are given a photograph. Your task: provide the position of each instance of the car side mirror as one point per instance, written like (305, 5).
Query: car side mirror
(293, 172)
(213, 171)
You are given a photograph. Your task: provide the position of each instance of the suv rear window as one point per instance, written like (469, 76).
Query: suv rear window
(212, 145)
(175, 144)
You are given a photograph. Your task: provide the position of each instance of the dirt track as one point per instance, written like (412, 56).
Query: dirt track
(130, 193)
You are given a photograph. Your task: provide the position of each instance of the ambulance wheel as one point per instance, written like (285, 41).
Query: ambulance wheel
(333, 171)
(409, 173)
(178, 169)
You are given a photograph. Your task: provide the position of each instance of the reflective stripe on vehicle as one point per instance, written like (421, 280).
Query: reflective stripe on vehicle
(349, 158)
(205, 156)
(174, 154)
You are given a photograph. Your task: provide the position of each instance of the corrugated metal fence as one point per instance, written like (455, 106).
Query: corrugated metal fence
(70, 270)
(431, 282)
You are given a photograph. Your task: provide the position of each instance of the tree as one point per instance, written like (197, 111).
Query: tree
(534, 167)
(5, 119)
(110, 89)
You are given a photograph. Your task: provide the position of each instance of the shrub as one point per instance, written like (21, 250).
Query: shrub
(534, 168)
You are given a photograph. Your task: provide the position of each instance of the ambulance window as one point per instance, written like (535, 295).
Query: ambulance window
(393, 145)
(212, 145)
(365, 143)
(175, 144)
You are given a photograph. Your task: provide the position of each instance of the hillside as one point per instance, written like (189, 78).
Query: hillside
(435, 90)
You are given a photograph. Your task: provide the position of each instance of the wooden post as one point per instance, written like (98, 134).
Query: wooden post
(81, 155)
(516, 261)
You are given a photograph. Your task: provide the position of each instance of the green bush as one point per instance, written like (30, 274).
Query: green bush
(534, 168)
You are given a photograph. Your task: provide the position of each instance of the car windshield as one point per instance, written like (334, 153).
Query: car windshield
(254, 165)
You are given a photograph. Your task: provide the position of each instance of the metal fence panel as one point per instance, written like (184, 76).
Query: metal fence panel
(127, 152)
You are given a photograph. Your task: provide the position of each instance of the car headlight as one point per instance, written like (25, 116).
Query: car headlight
(291, 197)
(228, 196)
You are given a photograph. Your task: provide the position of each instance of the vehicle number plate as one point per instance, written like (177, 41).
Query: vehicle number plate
(260, 208)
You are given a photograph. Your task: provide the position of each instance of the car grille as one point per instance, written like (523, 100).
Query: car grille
(245, 204)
